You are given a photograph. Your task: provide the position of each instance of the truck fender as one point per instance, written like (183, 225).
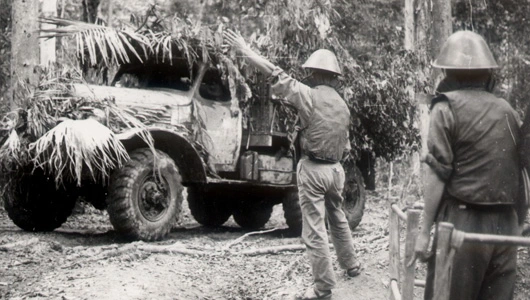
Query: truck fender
(189, 161)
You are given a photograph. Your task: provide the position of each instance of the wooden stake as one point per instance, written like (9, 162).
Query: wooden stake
(413, 220)
(442, 276)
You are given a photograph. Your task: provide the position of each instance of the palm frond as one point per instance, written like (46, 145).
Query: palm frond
(52, 129)
(77, 150)
(95, 42)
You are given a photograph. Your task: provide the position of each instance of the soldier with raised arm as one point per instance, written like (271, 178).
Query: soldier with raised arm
(325, 122)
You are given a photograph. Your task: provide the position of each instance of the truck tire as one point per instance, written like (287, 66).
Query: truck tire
(252, 215)
(354, 196)
(34, 204)
(145, 200)
(206, 207)
(292, 212)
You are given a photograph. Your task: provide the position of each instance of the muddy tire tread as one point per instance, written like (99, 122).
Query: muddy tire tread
(122, 211)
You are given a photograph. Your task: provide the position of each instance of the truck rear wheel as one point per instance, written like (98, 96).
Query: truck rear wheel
(207, 206)
(354, 196)
(34, 204)
(292, 212)
(145, 199)
(252, 215)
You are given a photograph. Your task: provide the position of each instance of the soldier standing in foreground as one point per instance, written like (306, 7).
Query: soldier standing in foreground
(473, 172)
(325, 121)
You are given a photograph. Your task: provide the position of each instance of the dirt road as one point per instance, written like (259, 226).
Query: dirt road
(85, 259)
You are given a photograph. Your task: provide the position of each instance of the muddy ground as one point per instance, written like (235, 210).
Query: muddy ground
(86, 259)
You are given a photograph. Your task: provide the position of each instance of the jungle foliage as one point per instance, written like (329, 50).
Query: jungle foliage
(366, 35)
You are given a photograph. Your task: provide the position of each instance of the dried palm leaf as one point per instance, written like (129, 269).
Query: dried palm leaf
(77, 149)
(11, 149)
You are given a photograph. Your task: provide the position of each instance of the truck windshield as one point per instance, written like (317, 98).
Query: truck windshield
(176, 76)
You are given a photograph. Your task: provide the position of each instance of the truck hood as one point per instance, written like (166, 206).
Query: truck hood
(134, 97)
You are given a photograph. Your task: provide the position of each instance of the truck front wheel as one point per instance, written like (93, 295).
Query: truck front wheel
(34, 204)
(145, 196)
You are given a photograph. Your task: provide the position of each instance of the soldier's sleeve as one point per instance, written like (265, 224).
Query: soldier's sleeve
(292, 91)
(440, 154)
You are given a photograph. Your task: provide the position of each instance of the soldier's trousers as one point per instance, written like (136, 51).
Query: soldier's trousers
(480, 271)
(320, 188)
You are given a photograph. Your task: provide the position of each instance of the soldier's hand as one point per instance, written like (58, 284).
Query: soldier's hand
(234, 39)
(421, 248)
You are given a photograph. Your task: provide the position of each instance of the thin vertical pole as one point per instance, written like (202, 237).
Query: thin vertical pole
(413, 220)
(394, 247)
(393, 229)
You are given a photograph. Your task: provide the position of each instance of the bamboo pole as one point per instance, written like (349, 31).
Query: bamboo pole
(496, 239)
(442, 282)
(413, 220)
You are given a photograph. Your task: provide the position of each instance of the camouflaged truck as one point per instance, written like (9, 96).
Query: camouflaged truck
(237, 166)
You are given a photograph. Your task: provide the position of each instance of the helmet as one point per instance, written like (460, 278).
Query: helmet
(465, 50)
(323, 59)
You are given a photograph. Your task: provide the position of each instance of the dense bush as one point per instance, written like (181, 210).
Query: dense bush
(366, 35)
(506, 27)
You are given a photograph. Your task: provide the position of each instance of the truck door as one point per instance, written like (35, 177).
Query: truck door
(221, 120)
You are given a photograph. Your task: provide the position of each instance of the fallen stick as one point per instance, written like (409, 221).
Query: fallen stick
(171, 249)
(275, 249)
(19, 244)
(241, 238)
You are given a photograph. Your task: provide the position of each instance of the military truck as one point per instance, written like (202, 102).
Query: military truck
(232, 165)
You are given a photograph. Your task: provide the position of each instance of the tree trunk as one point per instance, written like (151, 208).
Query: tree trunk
(432, 26)
(442, 27)
(47, 46)
(24, 45)
(110, 16)
(90, 10)
(409, 25)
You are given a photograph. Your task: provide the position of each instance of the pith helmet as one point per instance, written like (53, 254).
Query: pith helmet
(323, 59)
(465, 50)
